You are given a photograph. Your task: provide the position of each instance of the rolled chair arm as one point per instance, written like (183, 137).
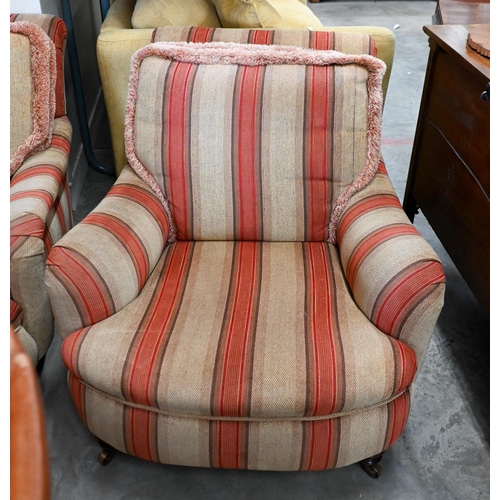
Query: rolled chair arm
(102, 264)
(395, 276)
(35, 188)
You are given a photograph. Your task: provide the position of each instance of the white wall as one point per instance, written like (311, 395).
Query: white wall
(25, 6)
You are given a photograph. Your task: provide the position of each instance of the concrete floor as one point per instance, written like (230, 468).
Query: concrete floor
(444, 450)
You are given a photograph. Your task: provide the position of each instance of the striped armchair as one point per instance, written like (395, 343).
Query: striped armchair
(250, 293)
(40, 136)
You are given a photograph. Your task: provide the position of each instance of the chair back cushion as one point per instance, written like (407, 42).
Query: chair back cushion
(253, 142)
(33, 77)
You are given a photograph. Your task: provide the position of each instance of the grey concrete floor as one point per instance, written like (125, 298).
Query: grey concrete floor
(444, 450)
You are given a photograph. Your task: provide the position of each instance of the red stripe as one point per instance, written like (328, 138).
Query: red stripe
(15, 310)
(61, 143)
(323, 40)
(401, 294)
(399, 410)
(77, 390)
(44, 169)
(146, 201)
(129, 240)
(141, 428)
(248, 153)
(201, 35)
(155, 328)
(240, 325)
(362, 207)
(28, 225)
(230, 439)
(319, 149)
(178, 145)
(41, 195)
(368, 244)
(87, 288)
(325, 394)
(260, 37)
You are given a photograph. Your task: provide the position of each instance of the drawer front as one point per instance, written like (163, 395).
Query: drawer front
(457, 112)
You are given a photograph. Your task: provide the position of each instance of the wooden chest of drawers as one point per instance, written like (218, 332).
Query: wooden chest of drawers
(449, 176)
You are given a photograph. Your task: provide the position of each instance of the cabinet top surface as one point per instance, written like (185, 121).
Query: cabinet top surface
(453, 39)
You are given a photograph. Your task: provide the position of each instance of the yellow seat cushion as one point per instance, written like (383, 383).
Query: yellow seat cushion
(154, 13)
(248, 14)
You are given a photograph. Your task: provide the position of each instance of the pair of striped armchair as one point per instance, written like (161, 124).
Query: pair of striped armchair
(250, 293)
(40, 137)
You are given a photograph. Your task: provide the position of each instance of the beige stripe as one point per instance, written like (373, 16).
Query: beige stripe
(282, 172)
(104, 419)
(231, 35)
(274, 447)
(280, 338)
(297, 37)
(149, 126)
(350, 131)
(352, 43)
(362, 435)
(211, 153)
(184, 441)
(185, 382)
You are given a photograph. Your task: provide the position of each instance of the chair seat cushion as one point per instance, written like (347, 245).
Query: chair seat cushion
(244, 330)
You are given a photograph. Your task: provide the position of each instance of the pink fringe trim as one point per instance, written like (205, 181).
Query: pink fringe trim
(256, 55)
(43, 71)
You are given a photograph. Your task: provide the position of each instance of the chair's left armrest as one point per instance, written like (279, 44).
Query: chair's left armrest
(396, 278)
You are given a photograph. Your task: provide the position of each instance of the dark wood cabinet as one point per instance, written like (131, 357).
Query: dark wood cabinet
(449, 175)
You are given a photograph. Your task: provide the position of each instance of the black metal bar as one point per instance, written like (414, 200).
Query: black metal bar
(104, 8)
(78, 87)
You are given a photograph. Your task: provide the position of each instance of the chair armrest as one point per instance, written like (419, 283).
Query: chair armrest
(396, 278)
(102, 264)
(36, 188)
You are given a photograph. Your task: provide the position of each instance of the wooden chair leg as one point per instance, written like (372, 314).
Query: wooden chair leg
(371, 466)
(107, 453)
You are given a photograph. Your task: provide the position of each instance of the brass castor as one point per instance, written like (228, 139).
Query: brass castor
(371, 466)
(107, 453)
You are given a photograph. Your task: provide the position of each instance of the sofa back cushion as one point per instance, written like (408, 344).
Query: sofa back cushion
(248, 14)
(32, 91)
(154, 13)
(253, 142)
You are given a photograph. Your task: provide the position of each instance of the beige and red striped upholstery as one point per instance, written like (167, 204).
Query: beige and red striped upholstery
(208, 317)
(40, 211)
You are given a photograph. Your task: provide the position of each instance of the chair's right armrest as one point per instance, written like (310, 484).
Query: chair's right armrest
(101, 265)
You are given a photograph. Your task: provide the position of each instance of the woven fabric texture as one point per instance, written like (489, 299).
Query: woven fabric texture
(129, 227)
(250, 293)
(32, 91)
(403, 294)
(243, 329)
(282, 445)
(256, 179)
(57, 32)
(40, 210)
(40, 214)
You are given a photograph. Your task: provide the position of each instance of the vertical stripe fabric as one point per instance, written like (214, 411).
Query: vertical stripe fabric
(250, 152)
(234, 333)
(280, 445)
(242, 330)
